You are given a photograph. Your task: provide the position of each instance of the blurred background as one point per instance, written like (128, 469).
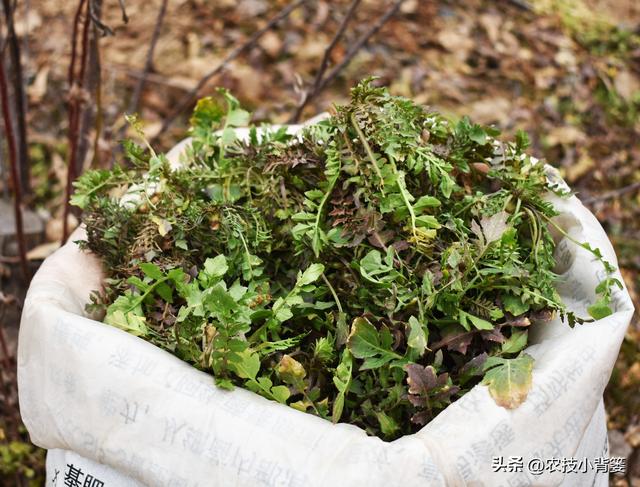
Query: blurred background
(565, 71)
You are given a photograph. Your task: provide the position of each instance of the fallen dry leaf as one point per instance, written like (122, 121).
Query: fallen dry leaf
(627, 85)
(43, 251)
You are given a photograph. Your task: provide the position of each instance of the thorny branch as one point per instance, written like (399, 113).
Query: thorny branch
(310, 93)
(193, 94)
(13, 161)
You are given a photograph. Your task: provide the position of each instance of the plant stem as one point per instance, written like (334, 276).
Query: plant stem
(368, 150)
(333, 292)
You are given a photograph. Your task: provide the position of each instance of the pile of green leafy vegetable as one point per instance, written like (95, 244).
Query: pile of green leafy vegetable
(369, 270)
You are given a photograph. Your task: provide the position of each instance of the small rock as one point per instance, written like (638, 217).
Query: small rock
(31, 223)
(618, 446)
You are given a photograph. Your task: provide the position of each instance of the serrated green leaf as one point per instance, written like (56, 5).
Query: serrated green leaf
(216, 267)
(479, 323)
(426, 202)
(218, 300)
(281, 394)
(164, 291)
(514, 305)
(427, 221)
(238, 118)
(342, 381)
(418, 336)
(365, 342)
(246, 364)
(516, 342)
(310, 275)
(478, 135)
(388, 425)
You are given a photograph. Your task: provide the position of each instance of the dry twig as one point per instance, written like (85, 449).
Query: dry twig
(311, 93)
(320, 83)
(123, 9)
(193, 94)
(95, 18)
(92, 114)
(360, 43)
(157, 79)
(137, 93)
(615, 193)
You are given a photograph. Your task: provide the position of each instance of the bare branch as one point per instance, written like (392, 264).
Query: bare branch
(192, 95)
(95, 6)
(123, 9)
(74, 42)
(359, 44)
(96, 79)
(85, 45)
(104, 28)
(135, 99)
(13, 161)
(75, 99)
(309, 94)
(615, 193)
(91, 113)
(19, 97)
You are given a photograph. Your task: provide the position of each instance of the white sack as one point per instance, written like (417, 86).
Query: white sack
(64, 467)
(115, 399)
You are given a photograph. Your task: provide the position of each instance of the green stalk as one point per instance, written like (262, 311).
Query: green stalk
(367, 148)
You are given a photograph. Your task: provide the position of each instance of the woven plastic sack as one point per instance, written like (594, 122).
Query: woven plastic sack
(127, 413)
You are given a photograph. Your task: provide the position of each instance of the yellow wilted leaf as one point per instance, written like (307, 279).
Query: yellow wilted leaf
(509, 380)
